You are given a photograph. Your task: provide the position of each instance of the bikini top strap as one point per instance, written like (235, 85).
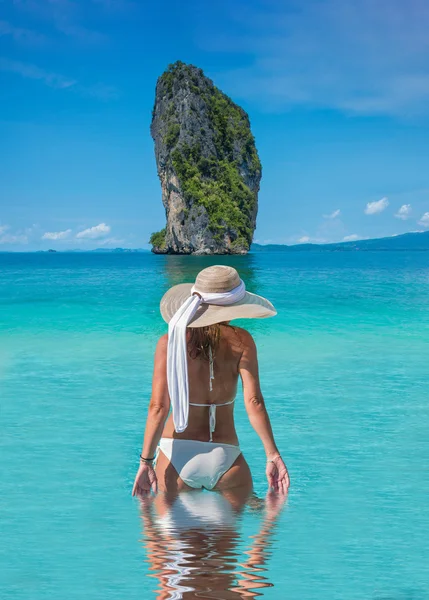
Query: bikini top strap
(212, 414)
(223, 404)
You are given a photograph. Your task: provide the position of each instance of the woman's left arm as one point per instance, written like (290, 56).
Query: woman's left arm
(276, 471)
(159, 408)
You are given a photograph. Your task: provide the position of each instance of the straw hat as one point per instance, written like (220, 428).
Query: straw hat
(216, 279)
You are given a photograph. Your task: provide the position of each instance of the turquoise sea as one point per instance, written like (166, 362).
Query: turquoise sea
(345, 374)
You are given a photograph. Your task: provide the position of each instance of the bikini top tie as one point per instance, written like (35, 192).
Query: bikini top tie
(212, 407)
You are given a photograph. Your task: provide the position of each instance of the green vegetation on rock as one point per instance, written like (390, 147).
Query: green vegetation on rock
(217, 186)
(173, 133)
(157, 239)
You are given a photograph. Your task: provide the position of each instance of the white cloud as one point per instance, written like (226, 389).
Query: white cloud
(20, 237)
(78, 31)
(58, 81)
(351, 238)
(29, 71)
(64, 17)
(307, 239)
(13, 239)
(404, 212)
(94, 233)
(114, 242)
(56, 235)
(424, 220)
(364, 57)
(373, 208)
(333, 215)
(26, 36)
(265, 242)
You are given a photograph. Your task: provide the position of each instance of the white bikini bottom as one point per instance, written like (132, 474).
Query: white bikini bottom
(199, 464)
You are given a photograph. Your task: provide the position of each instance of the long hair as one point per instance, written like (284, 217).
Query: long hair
(203, 338)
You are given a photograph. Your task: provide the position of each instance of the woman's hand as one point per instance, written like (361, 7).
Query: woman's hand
(277, 475)
(145, 480)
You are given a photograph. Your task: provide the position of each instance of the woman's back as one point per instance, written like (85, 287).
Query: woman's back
(226, 359)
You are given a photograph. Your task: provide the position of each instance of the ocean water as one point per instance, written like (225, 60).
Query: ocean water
(344, 369)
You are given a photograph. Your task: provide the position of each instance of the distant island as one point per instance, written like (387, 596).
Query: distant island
(406, 241)
(96, 250)
(418, 240)
(120, 250)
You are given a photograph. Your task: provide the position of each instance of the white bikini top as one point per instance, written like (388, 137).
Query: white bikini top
(212, 407)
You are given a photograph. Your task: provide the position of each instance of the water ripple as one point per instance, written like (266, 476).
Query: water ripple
(195, 546)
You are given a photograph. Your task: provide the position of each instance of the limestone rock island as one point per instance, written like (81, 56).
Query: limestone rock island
(207, 164)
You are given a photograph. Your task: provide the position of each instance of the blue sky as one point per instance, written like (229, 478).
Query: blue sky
(337, 92)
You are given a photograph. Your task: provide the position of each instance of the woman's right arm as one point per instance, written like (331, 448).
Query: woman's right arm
(276, 471)
(159, 408)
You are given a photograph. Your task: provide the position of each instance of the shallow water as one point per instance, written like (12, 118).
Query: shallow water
(345, 376)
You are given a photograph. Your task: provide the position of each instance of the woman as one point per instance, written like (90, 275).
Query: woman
(196, 371)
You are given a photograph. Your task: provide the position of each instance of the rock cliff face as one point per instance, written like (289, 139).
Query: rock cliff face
(207, 164)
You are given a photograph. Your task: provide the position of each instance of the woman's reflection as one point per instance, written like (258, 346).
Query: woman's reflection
(195, 549)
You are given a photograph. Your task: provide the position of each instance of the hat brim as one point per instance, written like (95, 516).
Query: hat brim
(251, 306)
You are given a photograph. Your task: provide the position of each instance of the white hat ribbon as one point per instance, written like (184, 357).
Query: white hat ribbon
(177, 356)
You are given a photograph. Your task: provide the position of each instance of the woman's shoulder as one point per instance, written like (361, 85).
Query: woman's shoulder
(238, 335)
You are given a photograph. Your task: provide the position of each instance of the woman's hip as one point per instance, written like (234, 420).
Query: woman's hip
(198, 464)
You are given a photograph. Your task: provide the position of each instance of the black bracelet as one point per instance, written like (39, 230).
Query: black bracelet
(146, 459)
